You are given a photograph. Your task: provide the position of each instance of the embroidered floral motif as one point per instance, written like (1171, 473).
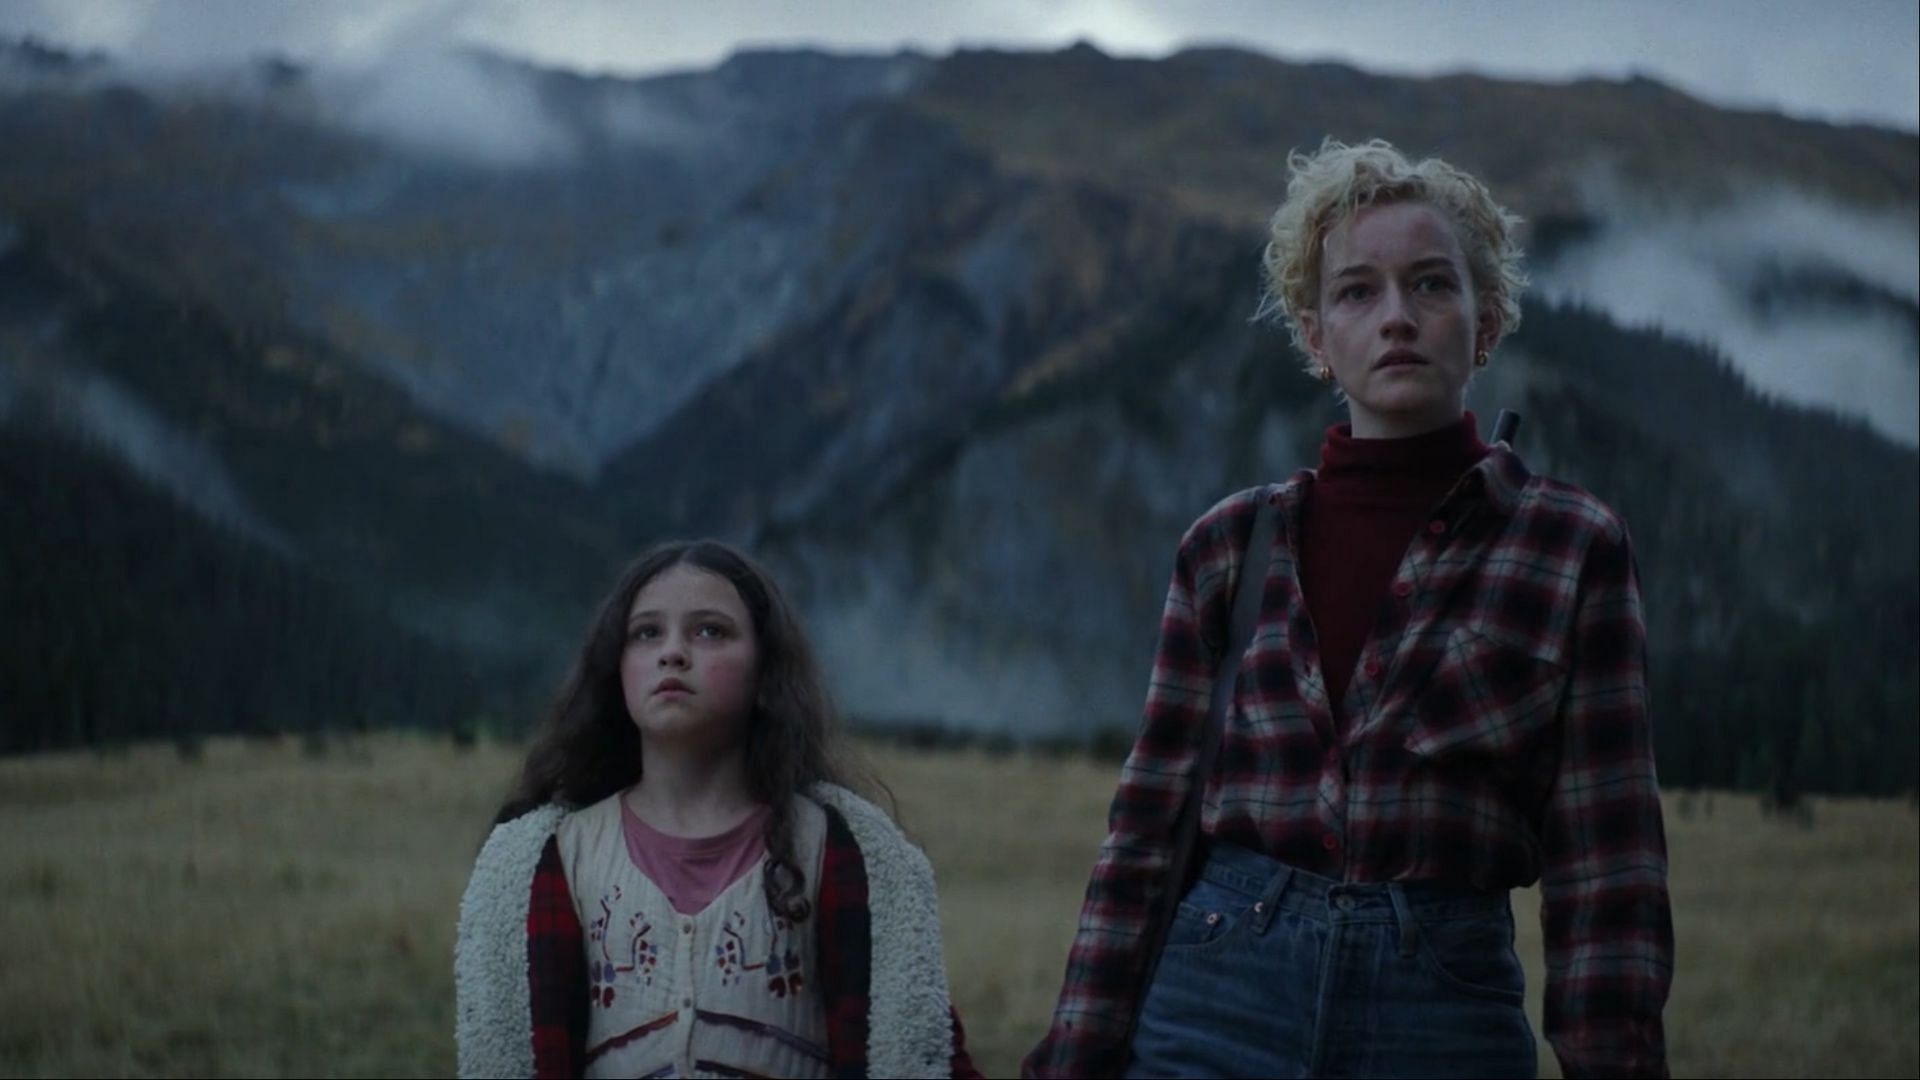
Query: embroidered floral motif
(636, 955)
(781, 965)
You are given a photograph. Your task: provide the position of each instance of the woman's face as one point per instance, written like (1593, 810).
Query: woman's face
(688, 669)
(1397, 321)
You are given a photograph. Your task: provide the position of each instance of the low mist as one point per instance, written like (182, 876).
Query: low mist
(1813, 302)
(93, 408)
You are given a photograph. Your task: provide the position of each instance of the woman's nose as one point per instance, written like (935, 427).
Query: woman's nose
(1396, 313)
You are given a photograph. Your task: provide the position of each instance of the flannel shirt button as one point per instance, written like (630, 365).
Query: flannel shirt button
(1403, 589)
(1333, 758)
(1329, 841)
(686, 928)
(1259, 906)
(1436, 527)
(1372, 668)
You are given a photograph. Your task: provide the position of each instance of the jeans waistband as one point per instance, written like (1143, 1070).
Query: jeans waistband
(1279, 886)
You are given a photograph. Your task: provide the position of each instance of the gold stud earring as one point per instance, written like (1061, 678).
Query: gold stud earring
(1325, 373)
(1480, 358)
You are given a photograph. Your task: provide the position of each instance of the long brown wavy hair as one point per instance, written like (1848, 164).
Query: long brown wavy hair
(588, 747)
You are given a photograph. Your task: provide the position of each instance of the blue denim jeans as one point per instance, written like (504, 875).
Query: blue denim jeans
(1274, 972)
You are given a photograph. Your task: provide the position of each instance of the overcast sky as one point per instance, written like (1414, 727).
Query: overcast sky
(1844, 60)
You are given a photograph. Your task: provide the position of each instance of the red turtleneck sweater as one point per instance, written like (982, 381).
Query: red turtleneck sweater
(1368, 499)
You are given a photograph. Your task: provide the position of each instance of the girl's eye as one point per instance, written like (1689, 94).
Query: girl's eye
(1351, 292)
(711, 631)
(643, 633)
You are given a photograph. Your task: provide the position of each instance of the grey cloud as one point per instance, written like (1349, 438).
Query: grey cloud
(450, 103)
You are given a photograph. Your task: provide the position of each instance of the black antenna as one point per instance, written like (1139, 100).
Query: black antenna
(1505, 426)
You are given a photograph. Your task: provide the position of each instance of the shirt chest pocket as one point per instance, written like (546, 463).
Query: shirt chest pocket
(1486, 697)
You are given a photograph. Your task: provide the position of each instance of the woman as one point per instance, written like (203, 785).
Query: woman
(681, 886)
(1445, 699)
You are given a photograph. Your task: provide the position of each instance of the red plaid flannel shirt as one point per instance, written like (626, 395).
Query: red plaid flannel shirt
(557, 973)
(1498, 735)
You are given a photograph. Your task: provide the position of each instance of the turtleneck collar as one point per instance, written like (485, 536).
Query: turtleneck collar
(1421, 467)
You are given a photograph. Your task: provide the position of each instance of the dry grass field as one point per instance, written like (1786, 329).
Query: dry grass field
(263, 911)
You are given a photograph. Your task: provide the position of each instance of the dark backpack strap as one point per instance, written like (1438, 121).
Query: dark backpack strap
(1247, 595)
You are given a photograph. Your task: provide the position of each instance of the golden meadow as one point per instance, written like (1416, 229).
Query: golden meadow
(281, 909)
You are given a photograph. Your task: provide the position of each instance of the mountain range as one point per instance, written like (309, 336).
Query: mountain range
(959, 344)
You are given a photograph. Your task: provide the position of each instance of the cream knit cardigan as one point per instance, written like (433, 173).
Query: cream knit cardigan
(909, 1030)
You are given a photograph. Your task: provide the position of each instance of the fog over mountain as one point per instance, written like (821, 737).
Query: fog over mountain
(1813, 301)
(1771, 55)
(95, 409)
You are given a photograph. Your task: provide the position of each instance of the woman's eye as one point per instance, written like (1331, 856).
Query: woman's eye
(1434, 283)
(711, 631)
(1352, 292)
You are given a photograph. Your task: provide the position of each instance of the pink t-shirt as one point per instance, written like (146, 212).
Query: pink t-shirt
(694, 870)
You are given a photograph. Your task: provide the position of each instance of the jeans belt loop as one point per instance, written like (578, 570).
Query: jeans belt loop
(1270, 899)
(1403, 912)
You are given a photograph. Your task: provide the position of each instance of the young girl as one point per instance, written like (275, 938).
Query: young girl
(680, 884)
(1445, 699)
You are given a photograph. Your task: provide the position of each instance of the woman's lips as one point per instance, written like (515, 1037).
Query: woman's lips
(1400, 358)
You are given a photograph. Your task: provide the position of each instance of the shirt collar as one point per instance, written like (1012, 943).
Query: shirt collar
(1502, 476)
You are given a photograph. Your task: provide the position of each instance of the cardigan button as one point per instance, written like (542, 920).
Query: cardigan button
(1436, 527)
(1403, 589)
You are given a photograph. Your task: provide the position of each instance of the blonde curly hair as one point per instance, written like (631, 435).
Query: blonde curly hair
(1333, 183)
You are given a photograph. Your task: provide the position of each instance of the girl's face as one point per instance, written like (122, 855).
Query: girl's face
(688, 669)
(1397, 322)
